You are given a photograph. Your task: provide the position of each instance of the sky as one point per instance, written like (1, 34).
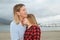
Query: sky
(44, 10)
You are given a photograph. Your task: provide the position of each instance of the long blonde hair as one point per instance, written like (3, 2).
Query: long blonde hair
(31, 18)
(15, 10)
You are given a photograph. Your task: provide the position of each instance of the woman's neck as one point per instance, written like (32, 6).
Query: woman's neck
(21, 18)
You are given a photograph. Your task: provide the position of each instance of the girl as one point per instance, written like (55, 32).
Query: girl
(32, 31)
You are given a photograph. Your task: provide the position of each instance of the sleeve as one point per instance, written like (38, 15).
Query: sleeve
(13, 32)
(36, 33)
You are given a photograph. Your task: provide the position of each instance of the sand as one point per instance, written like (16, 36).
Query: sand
(49, 35)
(52, 35)
(4, 36)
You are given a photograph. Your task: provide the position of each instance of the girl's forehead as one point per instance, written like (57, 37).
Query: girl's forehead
(25, 18)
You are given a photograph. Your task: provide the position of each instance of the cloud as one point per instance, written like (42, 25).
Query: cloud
(49, 19)
(44, 8)
(40, 8)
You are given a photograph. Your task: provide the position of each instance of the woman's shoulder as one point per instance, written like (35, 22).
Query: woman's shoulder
(13, 23)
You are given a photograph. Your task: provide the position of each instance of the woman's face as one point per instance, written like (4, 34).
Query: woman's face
(23, 12)
(25, 21)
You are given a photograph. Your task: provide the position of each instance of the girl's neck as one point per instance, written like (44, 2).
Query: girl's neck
(29, 25)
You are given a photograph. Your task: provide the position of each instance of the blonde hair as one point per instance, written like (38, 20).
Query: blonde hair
(31, 18)
(15, 10)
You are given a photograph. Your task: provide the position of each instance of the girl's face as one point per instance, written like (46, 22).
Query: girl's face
(25, 21)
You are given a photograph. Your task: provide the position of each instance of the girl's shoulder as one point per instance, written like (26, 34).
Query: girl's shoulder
(35, 26)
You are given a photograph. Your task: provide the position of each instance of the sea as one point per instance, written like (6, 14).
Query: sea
(6, 28)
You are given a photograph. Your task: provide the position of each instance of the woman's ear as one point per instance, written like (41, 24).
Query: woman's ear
(18, 13)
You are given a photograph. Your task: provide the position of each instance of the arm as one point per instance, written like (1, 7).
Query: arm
(13, 32)
(36, 33)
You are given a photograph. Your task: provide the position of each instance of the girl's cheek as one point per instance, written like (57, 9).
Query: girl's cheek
(24, 22)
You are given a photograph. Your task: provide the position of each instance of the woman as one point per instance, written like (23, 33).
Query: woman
(32, 31)
(16, 28)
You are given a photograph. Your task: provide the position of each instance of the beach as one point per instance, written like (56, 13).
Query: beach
(50, 35)
(4, 36)
(45, 35)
